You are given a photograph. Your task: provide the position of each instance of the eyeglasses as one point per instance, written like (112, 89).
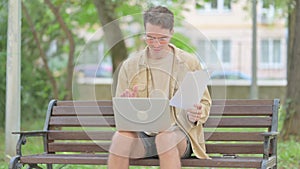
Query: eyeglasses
(160, 40)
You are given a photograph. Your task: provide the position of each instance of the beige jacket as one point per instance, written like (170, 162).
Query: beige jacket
(134, 71)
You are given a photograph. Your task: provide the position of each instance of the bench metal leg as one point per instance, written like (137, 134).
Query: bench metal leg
(30, 166)
(49, 166)
(270, 163)
(15, 163)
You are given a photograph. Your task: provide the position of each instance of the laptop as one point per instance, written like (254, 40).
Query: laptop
(141, 114)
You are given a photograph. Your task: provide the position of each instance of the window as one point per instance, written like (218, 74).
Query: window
(213, 5)
(271, 53)
(223, 49)
(218, 50)
(266, 12)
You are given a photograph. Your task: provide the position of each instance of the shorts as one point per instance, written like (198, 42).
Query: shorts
(150, 146)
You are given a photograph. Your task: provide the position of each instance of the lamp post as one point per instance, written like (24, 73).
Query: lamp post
(254, 88)
(13, 78)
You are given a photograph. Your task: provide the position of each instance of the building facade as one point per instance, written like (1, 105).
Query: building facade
(227, 29)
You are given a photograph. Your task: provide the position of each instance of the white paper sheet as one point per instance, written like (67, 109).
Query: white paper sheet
(191, 90)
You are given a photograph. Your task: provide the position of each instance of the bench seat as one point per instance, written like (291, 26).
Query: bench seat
(92, 159)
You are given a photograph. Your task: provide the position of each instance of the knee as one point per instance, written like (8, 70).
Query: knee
(121, 137)
(127, 134)
(127, 144)
(166, 142)
(165, 138)
(121, 143)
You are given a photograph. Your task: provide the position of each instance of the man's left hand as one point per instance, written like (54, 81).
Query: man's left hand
(194, 114)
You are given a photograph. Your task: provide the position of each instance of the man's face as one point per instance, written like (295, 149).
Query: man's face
(157, 39)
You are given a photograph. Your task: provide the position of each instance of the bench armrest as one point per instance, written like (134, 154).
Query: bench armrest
(24, 135)
(270, 134)
(270, 139)
(30, 133)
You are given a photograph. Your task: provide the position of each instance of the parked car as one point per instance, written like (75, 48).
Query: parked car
(229, 75)
(94, 70)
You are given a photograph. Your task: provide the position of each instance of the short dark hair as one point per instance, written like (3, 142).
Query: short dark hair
(160, 16)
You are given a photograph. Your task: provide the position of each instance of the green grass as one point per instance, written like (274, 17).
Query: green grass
(289, 154)
(288, 151)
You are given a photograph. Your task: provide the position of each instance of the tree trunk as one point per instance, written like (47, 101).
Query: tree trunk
(112, 31)
(68, 85)
(41, 50)
(291, 122)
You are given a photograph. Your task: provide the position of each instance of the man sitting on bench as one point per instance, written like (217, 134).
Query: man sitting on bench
(157, 71)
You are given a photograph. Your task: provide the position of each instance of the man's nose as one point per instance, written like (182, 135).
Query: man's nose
(156, 43)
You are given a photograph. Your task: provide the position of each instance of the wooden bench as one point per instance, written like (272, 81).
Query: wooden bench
(238, 133)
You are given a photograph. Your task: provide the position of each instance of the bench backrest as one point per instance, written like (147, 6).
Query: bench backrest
(233, 128)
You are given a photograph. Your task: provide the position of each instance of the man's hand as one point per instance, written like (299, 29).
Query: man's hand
(195, 113)
(129, 93)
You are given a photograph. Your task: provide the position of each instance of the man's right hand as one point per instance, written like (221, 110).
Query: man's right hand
(129, 93)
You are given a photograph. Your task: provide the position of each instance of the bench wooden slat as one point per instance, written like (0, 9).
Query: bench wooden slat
(249, 162)
(66, 121)
(233, 136)
(91, 147)
(80, 135)
(82, 111)
(84, 103)
(242, 110)
(255, 122)
(65, 159)
(226, 110)
(107, 135)
(240, 162)
(234, 148)
(214, 102)
(211, 122)
(242, 102)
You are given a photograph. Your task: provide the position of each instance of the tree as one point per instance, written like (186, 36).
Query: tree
(292, 106)
(48, 73)
(112, 32)
(57, 29)
(3, 46)
(42, 52)
(67, 31)
(45, 72)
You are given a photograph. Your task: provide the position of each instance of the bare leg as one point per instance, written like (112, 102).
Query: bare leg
(170, 147)
(121, 150)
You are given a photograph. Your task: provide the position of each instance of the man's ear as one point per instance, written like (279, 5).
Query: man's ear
(172, 31)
